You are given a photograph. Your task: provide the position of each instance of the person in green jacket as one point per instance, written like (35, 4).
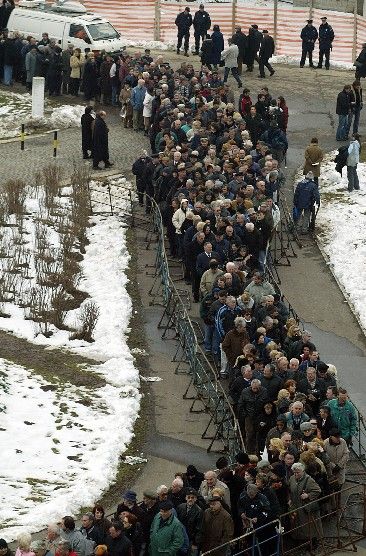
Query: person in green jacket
(343, 415)
(166, 533)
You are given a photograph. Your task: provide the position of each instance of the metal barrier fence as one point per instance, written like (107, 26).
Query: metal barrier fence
(111, 198)
(333, 522)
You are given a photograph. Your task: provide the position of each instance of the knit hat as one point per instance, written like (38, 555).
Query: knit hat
(130, 496)
(306, 426)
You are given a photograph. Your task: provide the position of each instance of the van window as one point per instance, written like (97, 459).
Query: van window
(79, 32)
(100, 31)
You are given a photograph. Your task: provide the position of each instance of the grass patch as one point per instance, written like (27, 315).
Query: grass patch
(331, 196)
(56, 366)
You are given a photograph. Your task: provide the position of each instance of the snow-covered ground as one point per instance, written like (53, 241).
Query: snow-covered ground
(59, 453)
(341, 232)
(16, 109)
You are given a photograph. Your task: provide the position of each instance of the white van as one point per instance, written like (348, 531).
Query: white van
(68, 22)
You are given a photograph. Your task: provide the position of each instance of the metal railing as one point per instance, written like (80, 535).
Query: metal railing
(203, 387)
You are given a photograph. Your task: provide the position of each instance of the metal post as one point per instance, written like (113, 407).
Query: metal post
(354, 44)
(110, 199)
(55, 143)
(157, 19)
(234, 4)
(275, 13)
(311, 10)
(22, 138)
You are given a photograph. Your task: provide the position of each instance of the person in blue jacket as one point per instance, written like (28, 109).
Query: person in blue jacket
(326, 38)
(218, 46)
(309, 35)
(306, 194)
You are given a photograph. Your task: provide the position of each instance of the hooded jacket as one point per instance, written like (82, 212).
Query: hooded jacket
(179, 217)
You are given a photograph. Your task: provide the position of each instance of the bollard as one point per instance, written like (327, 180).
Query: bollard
(22, 135)
(55, 144)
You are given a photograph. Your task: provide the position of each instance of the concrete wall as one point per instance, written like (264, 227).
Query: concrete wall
(336, 5)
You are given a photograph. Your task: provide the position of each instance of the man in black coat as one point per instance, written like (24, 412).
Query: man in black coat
(201, 24)
(326, 38)
(343, 110)
(117, 542)
(100, 142)
(309, 35)
(240, 39)
(87, 126)
(190, 514)
(183, 21)
(266, 52)
(254, 42)
(250, 406)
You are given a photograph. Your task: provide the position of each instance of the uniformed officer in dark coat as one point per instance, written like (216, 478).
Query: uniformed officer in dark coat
(201, 24)
(100, 142)
(240, 39)
(183, 22)
(266, 52)
(254, 42)
(309, 35)
(326, 38)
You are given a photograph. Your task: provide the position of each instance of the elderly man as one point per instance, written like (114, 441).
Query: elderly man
(314, 388)
(137, 101)
(217, 528)
(209, 277)
(92, 535)
(234, 342)
(190, 514)
(177, 492)
(166, 534)
(343, 414)
(210, 483)
(250, 407)
(52, 538)
(296, 416)
(259, 287)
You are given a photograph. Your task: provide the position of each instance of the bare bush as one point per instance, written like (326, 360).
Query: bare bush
(15, 194)
(88, 318)
(59, 305)
(80, 177)
(52, 175)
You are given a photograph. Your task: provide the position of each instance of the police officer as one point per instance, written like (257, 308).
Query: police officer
(183, 22)
(309, 35)
(326, 37)
(201, 24)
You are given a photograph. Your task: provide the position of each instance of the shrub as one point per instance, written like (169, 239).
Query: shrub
(88, 318)
(15, 194)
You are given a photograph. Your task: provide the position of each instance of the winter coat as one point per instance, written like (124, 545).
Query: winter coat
(257, 291)
(361, 64)
(100, 140)
(326, 35)
(217, 529)
(272, 385)
(275, 138)
(147, 103)
(309, 36)
(191, 517)
(178, 218)
(267, 48)
(338, 455)
(76, 540)
(206, 52)
(203, 262)
(240, 39)
(201, 22)
(125, 100)
(291, 424)
(254, 41)
(230, 56)
(344, 417)
(251, 403)
(353, 157)
(205, 491)
(105, 80)
(306, 194)
(343, 103)
(233, 344)
(90, 87)
(183, 21)
(313, 157)
(87, 125)
(120, 546)
(304, 518)
(217, 39)
(10, 53)
(135, 535)
(137, 97)
(166, 537)
(257, 507)
(76, 65)
(31, 66)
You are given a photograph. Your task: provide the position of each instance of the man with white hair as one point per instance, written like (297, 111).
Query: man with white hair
(210, 483)
(177, 492)
(52, 538)
(137, 101)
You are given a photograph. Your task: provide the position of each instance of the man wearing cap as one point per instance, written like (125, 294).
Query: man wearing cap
(326, 38)
(166, 534)
(266, 52)
(306, 194)
(201, 24)
(190, 514)
(217, 527)
(337, 450)
(128, 504)
(149, 508)
(183, 21)
(309, 35)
